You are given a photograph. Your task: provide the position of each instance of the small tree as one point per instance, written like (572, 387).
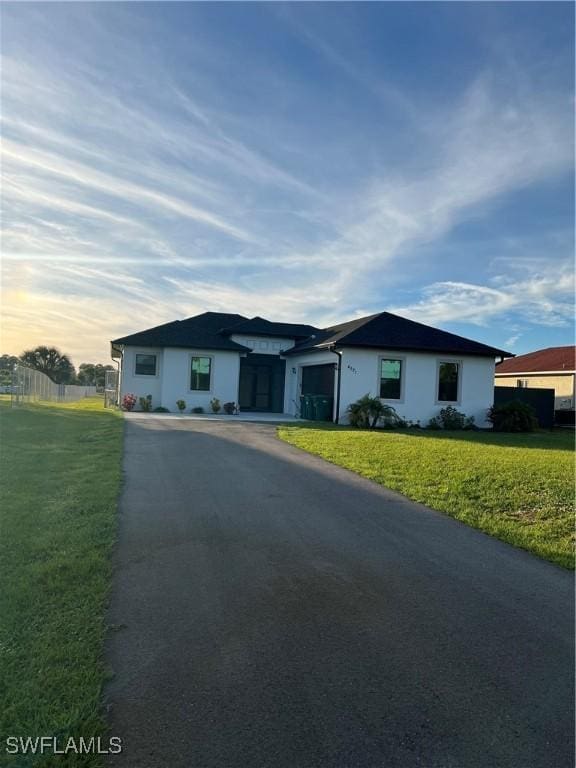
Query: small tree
(181, 405)
(368, 411)
(215, 405)
(7, 363)
(93, 374)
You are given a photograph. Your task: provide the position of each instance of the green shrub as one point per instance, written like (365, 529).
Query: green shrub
(368, 412)
(215, 405)
(513, 416)
(229, 408)
(181, 405)
(161, 409)
(145, 403)
(451, 418)
(197, 409)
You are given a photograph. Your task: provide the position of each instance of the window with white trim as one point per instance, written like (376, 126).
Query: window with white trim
(200, 374)
(448, 381)
(390, 379)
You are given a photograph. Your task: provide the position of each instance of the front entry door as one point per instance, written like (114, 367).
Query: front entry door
(261, 383)
(255, 390)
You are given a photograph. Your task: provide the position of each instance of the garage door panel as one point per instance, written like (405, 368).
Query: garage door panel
(318, 379)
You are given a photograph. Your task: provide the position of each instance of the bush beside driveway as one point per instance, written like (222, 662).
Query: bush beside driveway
(517, 487)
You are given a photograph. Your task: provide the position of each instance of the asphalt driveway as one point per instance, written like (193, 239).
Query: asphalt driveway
(270, 610)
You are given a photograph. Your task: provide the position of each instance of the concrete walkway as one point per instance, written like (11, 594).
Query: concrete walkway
(266, 418)
(271, 610)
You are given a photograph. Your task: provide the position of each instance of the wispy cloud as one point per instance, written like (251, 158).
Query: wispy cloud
(511, 342)
(52, 165)
(164, 194)
(545, 300)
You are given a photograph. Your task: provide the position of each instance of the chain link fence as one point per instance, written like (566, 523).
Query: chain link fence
(29, 385)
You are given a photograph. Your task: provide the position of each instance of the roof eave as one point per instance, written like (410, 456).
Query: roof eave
(235, 348)
(489, 352)
(304, 351)
(116, 351)
(563, 372)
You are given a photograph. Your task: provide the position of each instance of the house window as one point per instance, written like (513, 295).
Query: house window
(448, 375)
(522, 383)
(390, 379)
(201, 369)
(145, 365)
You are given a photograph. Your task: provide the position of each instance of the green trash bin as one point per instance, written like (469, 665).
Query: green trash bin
(323, 408)
(312, 407)
(311, 410)
(305, 407)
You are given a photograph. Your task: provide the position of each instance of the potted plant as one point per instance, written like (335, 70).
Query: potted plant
(215, 405)
(181, 405)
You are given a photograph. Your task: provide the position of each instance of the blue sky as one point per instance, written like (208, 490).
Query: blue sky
(304, 162)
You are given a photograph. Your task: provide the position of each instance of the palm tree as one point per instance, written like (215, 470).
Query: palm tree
(50, 361)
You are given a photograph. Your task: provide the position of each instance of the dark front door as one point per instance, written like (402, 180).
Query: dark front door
(255, 388)
(262, 383)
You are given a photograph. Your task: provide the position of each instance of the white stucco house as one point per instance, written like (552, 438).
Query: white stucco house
(267, 366)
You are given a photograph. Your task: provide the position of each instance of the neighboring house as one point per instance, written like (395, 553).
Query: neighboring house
(267, 366)
(551, 368)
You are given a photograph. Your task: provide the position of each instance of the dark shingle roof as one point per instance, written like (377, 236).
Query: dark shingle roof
(211, 330)
(201, 332)
(549, 359)
(388, 331)
(259, 326)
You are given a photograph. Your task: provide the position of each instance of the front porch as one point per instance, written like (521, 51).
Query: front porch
(261, 386)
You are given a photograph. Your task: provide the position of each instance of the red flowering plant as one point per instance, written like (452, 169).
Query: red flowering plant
(128, 401)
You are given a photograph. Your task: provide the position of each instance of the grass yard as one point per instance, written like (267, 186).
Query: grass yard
(60, 469)
(517, 487)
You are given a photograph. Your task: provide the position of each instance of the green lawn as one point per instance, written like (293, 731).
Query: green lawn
(517, 487)
(60, 469)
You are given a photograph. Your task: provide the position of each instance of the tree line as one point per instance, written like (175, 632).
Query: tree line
(56, 365)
